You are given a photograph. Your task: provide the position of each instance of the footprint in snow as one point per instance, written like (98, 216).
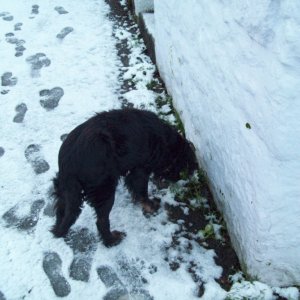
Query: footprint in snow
(117, 289)
(61, 10)
(84, 244)
(35, 158)
(18, 26)
(51, 98)
(19, 50)
(6, 16)
(50, 206)
(28, 222)
(134, 280)
(21, 110)
(2, 151)
(132, 276)
(52, 267)
(11, 39)
(64, 32)
(38, 61)
(7, 79)
(34, 10)
(2, 297)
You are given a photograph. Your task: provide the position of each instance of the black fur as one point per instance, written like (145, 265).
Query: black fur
(129, 142)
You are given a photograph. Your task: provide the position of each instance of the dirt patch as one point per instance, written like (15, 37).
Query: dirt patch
(197, 223)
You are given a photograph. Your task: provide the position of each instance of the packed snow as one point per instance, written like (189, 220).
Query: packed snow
(66, 70)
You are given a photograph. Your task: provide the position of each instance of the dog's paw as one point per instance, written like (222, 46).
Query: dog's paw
(115, 239)
(161, 183)
(58, 232)
(150, 207)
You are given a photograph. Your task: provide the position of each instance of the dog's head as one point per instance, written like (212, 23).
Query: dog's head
(184, 162)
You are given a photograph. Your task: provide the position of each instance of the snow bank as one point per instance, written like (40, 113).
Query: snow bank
(233, 69)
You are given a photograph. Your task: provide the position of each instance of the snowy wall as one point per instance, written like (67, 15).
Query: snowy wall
(143, 6)
(233, 69)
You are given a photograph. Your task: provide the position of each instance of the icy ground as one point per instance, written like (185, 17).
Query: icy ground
(58, 67)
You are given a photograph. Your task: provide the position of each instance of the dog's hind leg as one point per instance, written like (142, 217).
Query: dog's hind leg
(110, 238)
(102, 201)
(137, 183)
(68, 208)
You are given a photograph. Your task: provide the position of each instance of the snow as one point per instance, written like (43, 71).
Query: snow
(233, 71)
(85, 65)
(255, 290)
(149, 20)
(143, 6)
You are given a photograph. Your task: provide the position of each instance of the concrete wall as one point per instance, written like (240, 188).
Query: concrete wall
(233, 69)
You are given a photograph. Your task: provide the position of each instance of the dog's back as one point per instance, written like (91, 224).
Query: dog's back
(122, 138)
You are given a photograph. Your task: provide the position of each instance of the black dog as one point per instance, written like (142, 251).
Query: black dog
(129, 142)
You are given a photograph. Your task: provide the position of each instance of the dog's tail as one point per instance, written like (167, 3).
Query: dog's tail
(55, 181)
(56, 192)
(67, 204)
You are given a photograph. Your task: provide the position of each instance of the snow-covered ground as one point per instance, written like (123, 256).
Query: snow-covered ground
(57, 69)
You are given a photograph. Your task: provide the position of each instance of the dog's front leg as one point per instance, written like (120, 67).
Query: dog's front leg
(137, 183)
(103, 208)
